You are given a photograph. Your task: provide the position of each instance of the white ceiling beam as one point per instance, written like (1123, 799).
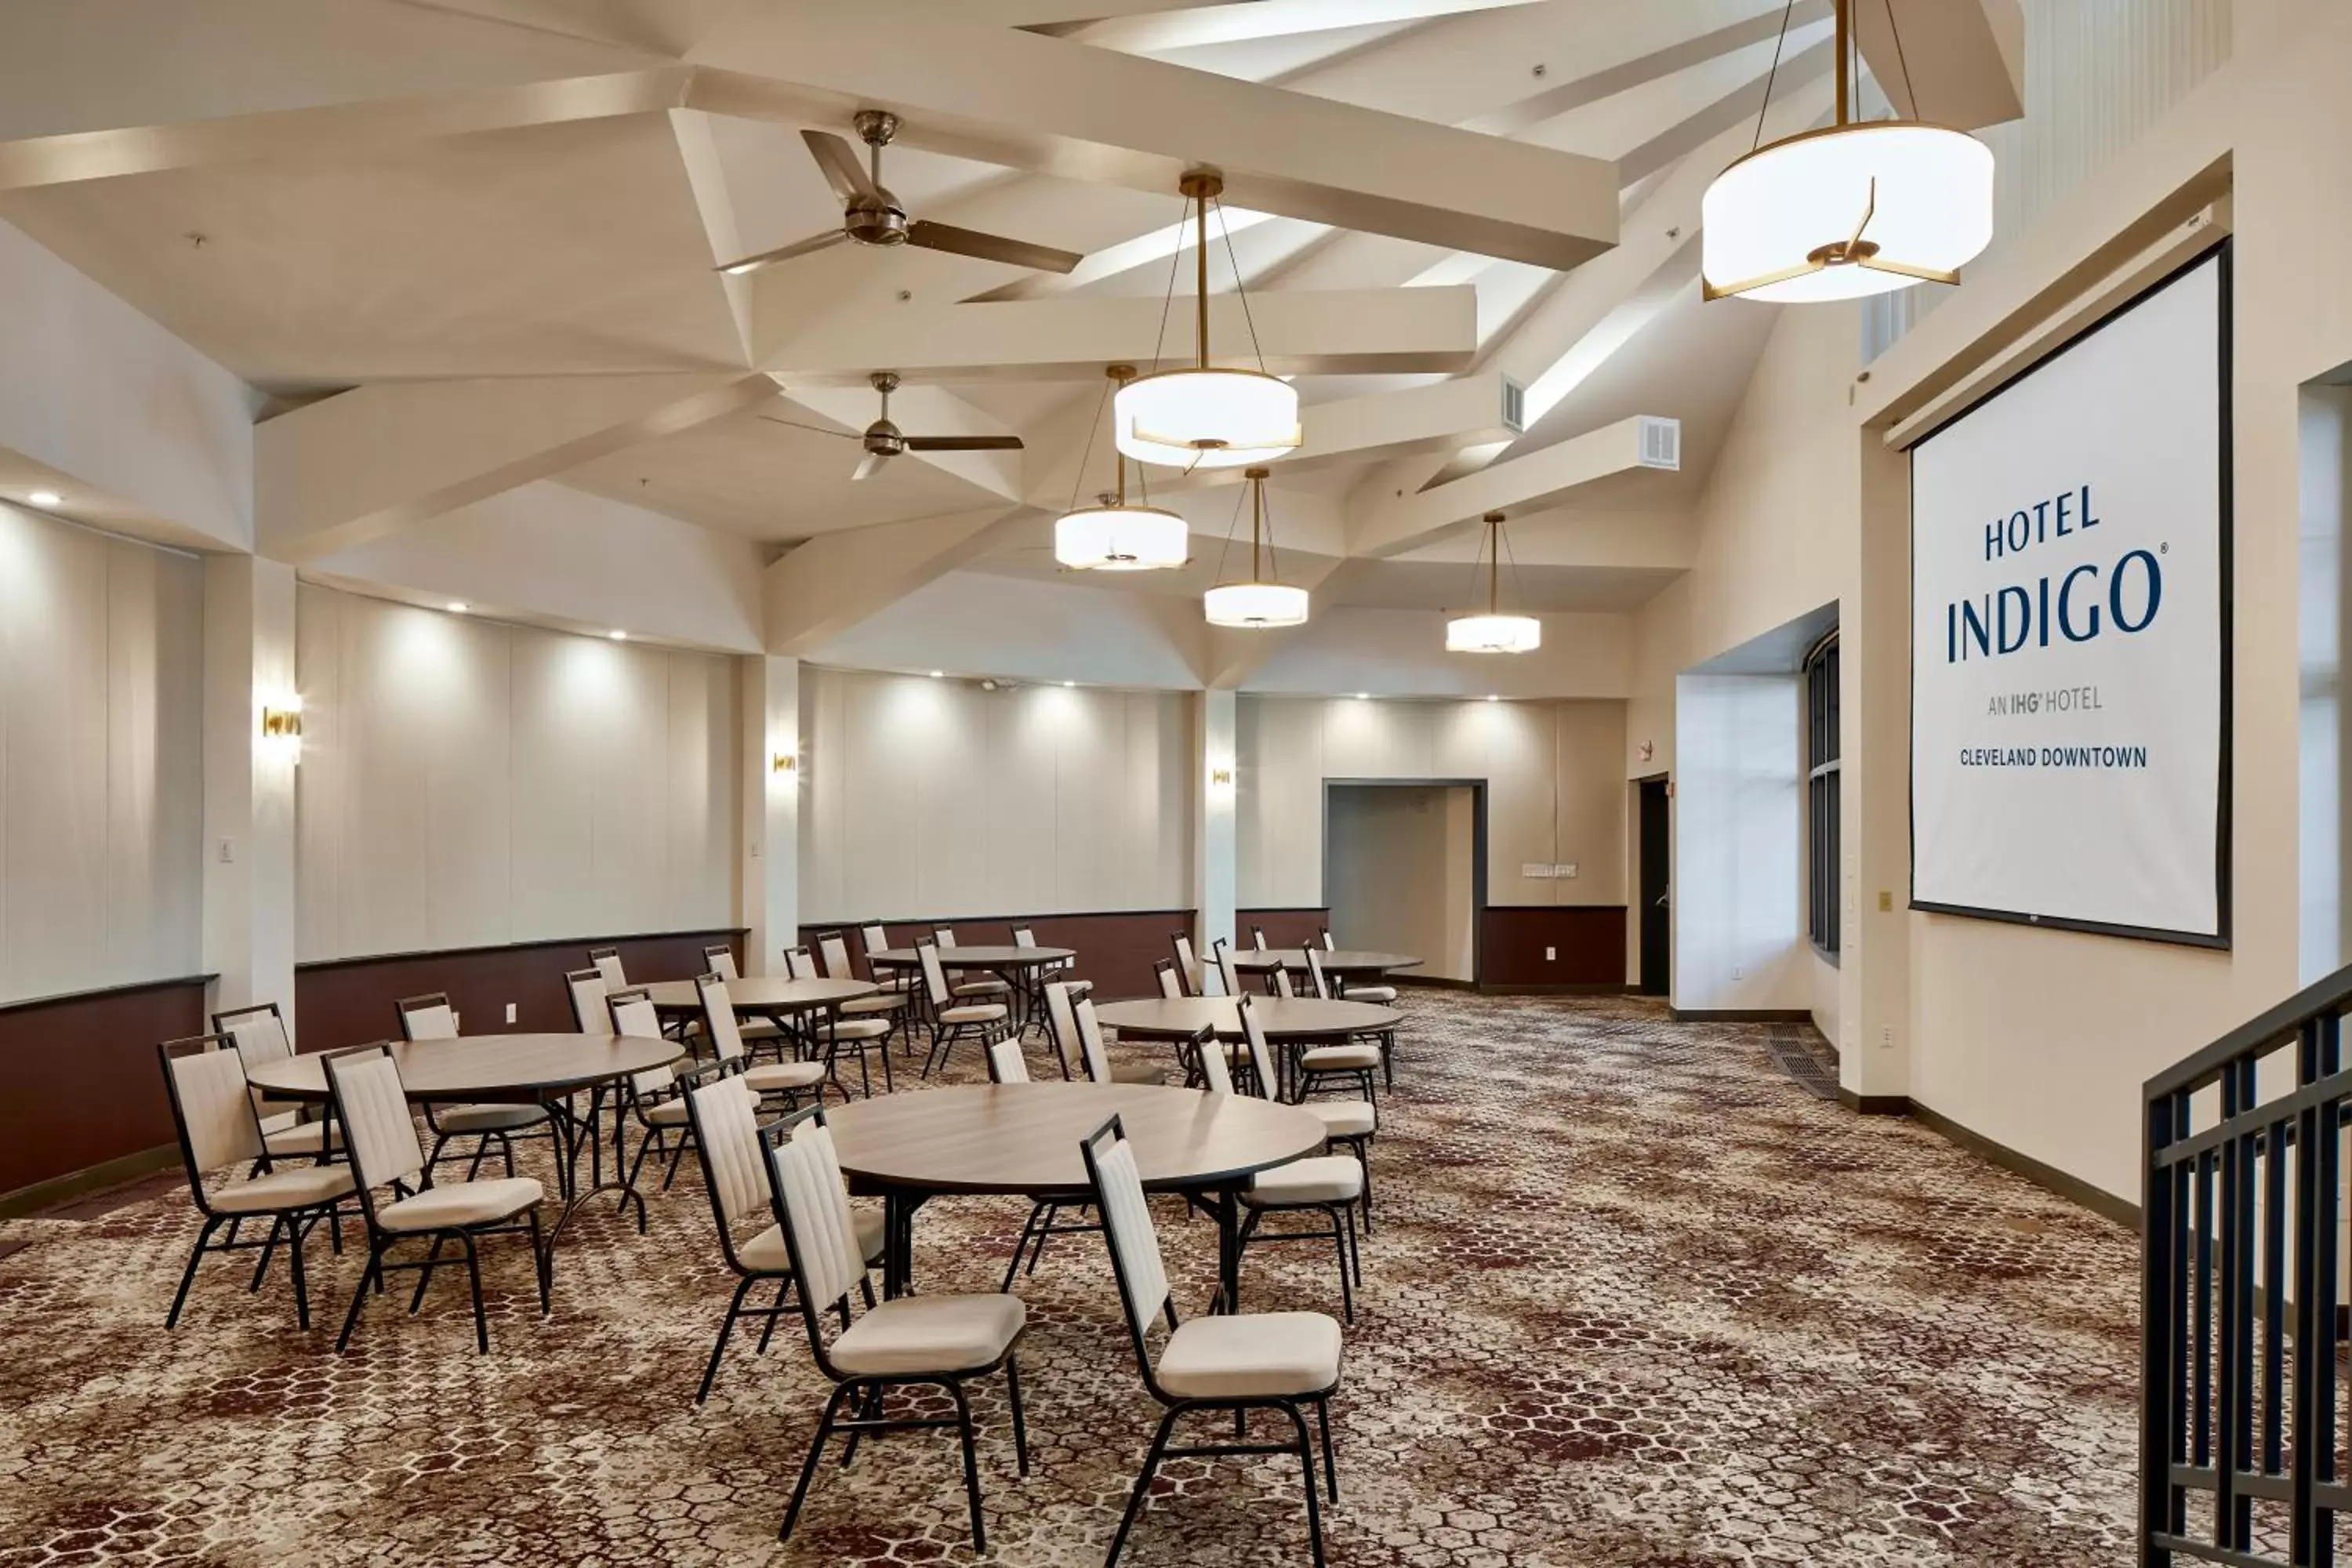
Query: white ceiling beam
(1339, 332)
(1050, 106)
(97, 88)
(334, 474)
(706, 176)
(1956, 62)
(837, 580)
(1384, 526)
(1189, 26)
(1573, 536)
(1655, 39)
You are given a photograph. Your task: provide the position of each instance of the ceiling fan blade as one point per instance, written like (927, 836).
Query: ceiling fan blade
(869, 465)
(843, 172)
(824, 241)
(964, 443)
(990, 247)
(814, 429)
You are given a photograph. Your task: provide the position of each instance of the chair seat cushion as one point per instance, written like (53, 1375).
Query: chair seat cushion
(858, 1029)
(1371, 993)
(291, 1187)
(459, 1203)
(977, 1013)
(1078, 987)
(1324, 1179)
(1343, 1118)
(1255, 1355)
(980, 988)
(1340, 1058)
(758, 1029)
(462, 1119)
(303, 1137)
(1136, 1072)
(775, 1078)
(671, 1112)
(880, 1002)
(930, 1333)
(767, 1253)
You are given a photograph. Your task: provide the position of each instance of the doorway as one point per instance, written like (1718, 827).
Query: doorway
(1656, 890)
(1405, 871)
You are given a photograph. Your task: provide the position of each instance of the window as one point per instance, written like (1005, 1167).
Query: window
(1823, 905)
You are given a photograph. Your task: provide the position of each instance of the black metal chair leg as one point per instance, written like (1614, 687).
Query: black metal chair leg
(1355, 1248)
(474, 1167)
(1142, 1486)
(294, 1263)
(474, 1274)
(1306, 1464)
(870, 1410)
(710, 1371)
(971, 1467)
(372, 1275)
(784, 1290)
(816, 1452)
(188, 1276)
(1340, 1245)
(675, 1156)
(1020, 1420)
(269, 1246)
(542, 1261)
(1330, 1467)
(424, 1274)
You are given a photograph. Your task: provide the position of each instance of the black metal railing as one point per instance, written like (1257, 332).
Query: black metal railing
(2241, 1459)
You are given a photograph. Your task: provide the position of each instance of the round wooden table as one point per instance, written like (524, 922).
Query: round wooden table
(546, 1070)
(1343, 962)
(1023, 1139)
(1018, 966)
(764, 994)
(1291, 1024)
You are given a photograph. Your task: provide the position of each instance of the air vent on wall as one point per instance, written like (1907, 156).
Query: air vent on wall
(1662, 443)
(1515, 405)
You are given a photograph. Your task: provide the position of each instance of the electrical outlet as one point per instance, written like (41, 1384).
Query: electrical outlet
(1886, 1039)
(1552, 955)
(510, 1012)
(1739, 971)
(228, 851)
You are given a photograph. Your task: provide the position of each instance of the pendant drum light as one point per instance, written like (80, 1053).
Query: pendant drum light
(1113, 536)
(1202, 416)
(1851, 209)
(1493, 632)
(1262, 601)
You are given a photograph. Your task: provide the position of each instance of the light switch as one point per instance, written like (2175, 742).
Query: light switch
(228, 851)
(1552, 955)
(510, 1012)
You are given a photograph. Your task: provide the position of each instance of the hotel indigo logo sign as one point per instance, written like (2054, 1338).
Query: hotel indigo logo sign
(2067, 616)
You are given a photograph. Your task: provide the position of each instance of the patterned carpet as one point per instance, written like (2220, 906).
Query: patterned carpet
(1635, 1299)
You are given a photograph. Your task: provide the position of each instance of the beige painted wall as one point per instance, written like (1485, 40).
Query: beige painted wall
(101, 759)
(1555, 792)
(928, 799)
(467, 783)
(1401, 874)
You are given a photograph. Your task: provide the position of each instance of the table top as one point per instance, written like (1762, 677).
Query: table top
(975, 956)
(486, 1066)
(1346, 961)
(1023, 1137)
(1298, 1017)
(760, 994)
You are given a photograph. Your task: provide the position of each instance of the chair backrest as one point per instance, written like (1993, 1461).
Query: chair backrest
(1090, 1040)
(835, 953)
(1328, 945)
(727, 1132)
(1060, 1018)
(1213, 1071)
(820, 1231)
(258, 1033)
(588, 992)
(935, 979)
(632, 1012)
(1023, 936)
(211, 1103)
(1127, 1226)
(719, 1017)
(943, 935)
(1187, 966)
(1171, 986)
(607, 961)
(364, 1083)
(1315, 973)
(428, 1018)
(876, 940)
(1261, 1054)
(719, 960)
(799, 964)
(1226, 972)
(1005, 1062)
(1257, 937)
(1282, 982)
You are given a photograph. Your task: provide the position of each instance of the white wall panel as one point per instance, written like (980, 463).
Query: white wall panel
(467, 783)
(935, 799)
(101, 787)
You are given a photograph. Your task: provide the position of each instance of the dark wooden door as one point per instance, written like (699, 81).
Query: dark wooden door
(1657, 919)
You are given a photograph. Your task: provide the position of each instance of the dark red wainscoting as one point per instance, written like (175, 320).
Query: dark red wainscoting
(1116, 950)
(1284, 928)
(1589, 939)
(78, 1079)
(350, 1001)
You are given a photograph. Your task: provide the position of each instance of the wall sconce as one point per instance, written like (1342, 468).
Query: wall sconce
(1222, 778)
(281, 724)
(787, 764)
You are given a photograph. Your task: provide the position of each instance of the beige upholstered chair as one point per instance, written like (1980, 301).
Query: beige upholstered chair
(430, 1017)
(1064, 970)
(953, 1019)
(1227, 976)
(1007, 1065)
(965, 987)
(876, 939)
(1257, 938)
(832, 1033)
(1351, 1122)
(289, 1130)
(723, 1123)
(1328, 944)
(1342, 1059)
(719, 959)
(1171, 983)
(607, 961)
(386, 1158)
(791, 1079)
(1188, 967)
(941, 1341)
(587, 991)
(1073, 1020)
(212, 1109)
(1233, 1363)
(1330, 1185)
(888, 1005)
(654, 1100)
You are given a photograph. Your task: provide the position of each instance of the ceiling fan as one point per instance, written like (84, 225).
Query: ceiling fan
(872, 216)
(883, 440)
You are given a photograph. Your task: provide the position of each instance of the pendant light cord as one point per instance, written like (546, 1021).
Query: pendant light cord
(1225, 228)
(1078, 482)
(1773, 76)
(1909, 91)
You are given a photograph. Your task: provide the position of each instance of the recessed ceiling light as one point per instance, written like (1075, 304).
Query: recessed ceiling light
(1492, 697)
(1363, 697)
(458, 606)
(617, 635)
(1069, 683)
(44, 497)
(937, 673)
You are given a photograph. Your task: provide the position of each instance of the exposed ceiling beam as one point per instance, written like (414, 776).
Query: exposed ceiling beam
(837, 580)
(334, 474)
(1383, 526)
(706, 176)
(1657, 40)
(1048, 106)
(1956, 62)
(1167, 28)
(1369, 331)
